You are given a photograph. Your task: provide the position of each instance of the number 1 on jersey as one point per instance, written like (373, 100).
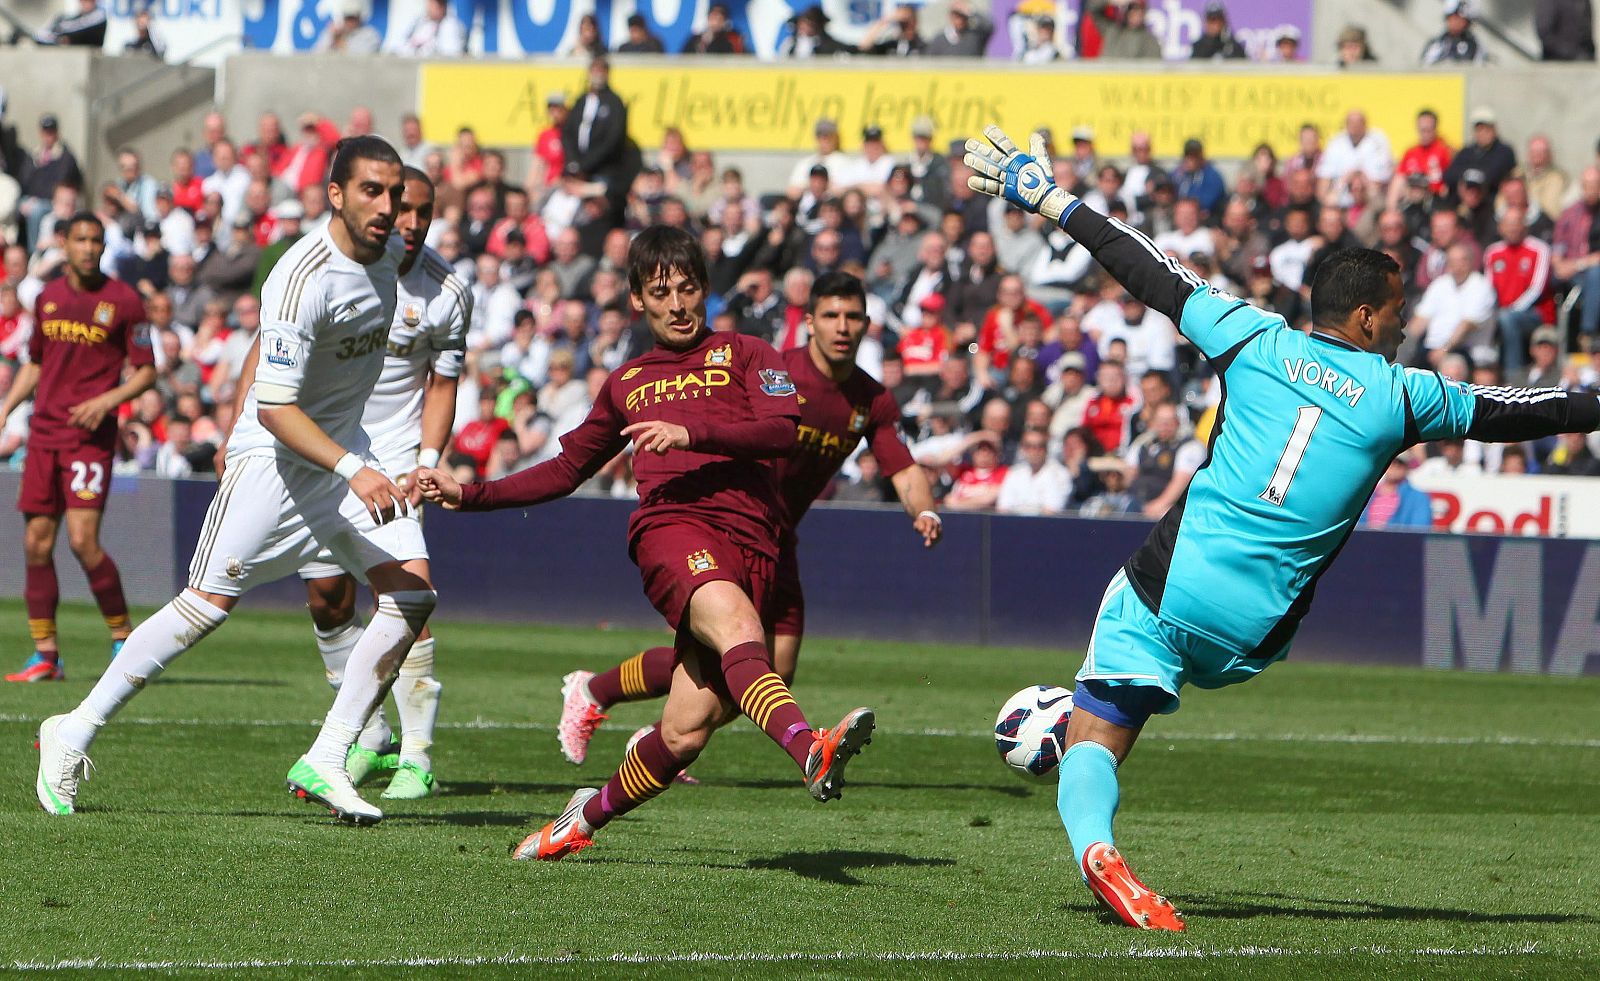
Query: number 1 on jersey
(1293, 452)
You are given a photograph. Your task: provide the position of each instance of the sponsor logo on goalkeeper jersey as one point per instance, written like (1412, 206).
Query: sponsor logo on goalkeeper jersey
(679, 388)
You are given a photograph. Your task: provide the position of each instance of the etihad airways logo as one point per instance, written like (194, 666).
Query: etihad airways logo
(73, 332)
(682, 388)
(828, 445)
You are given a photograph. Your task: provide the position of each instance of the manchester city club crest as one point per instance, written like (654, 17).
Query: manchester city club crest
(858, 420)
(104, 314)
(720, 357)
(701, 561)
(411, 313)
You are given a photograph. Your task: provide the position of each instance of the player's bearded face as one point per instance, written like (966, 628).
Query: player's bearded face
(368, 202)
(837, 326)
(674, 305)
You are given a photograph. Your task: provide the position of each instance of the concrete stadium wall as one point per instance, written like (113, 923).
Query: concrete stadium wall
(1479, 603)
(105, 102)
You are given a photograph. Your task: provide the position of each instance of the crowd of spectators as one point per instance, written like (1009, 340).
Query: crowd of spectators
(1110, 29)
(1030, 381)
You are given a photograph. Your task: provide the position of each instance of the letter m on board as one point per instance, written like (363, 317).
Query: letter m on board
(1474, 622)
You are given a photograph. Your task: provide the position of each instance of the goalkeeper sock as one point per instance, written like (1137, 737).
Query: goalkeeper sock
(1088, 796)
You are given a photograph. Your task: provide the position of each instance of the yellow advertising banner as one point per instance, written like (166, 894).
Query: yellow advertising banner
(774, 107)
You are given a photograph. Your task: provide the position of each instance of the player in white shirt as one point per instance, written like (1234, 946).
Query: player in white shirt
(300, 478)
(408, 420)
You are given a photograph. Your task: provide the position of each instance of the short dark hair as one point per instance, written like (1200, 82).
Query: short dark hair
(660, 250)
(1429, 113)
(840, 284)
(410, 173)
(352, 148)
(1347, 279)
(83, 217)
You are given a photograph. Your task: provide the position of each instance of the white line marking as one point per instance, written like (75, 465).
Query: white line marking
(519, 960)
(1344, 738)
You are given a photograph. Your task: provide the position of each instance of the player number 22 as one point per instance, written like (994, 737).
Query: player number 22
(88, 479)
(1293, 452)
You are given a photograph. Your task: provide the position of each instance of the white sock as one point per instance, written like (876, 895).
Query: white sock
(335, 646)
(416, 696)
(152, 646)
(370, 671)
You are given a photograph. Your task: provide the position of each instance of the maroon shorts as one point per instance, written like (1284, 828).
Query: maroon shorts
(676, 559)
(55, 480)
(786, 616)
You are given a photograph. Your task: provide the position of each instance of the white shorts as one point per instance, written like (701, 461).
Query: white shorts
(270, 517)
(401, 538)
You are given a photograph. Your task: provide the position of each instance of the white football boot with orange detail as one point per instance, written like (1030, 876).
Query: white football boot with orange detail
(832, 749)
(568, 833)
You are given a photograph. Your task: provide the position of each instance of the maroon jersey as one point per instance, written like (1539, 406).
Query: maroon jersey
(736, 399)
(79, 342)
(834, 417)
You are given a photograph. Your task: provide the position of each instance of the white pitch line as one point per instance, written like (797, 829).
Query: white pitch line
(526, 960)
(1343, 738)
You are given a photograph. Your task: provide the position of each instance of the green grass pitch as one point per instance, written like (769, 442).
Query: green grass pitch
(1318, 822)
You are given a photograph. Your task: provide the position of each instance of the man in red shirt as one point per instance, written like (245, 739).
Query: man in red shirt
(925, 347)
(1430, 158)
(1107, 414)
(840, 405)
(998, 335)
(1519, 268)
(705, 412)
(85, 327)
(547, 151)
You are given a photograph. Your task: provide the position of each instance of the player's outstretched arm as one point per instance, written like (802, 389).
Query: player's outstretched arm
(584, 451)
(1442, 409)
(1025, 181)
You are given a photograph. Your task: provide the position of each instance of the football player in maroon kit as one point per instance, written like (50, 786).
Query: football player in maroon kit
(86, 326)
(839, 406)
(704, 412)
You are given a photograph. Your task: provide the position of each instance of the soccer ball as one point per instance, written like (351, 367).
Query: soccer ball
(1031, 730)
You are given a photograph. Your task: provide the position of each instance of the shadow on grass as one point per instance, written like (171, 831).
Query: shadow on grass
(1241, 906)
(228, 682)
(1017, 790)
(492, 788)
(468, 819)
(833, 866)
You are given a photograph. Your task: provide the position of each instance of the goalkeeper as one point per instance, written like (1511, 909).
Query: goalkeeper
(1308, 423)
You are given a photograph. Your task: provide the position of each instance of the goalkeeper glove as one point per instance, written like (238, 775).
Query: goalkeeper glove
(1026, 181)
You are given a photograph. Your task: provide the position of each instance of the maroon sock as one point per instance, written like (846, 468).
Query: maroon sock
(42, 594)
(105, 582)
(643, 676)
(764, 697)
(646, 771)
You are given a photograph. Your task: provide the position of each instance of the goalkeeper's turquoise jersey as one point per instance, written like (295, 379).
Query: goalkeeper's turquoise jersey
(1306, 426)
